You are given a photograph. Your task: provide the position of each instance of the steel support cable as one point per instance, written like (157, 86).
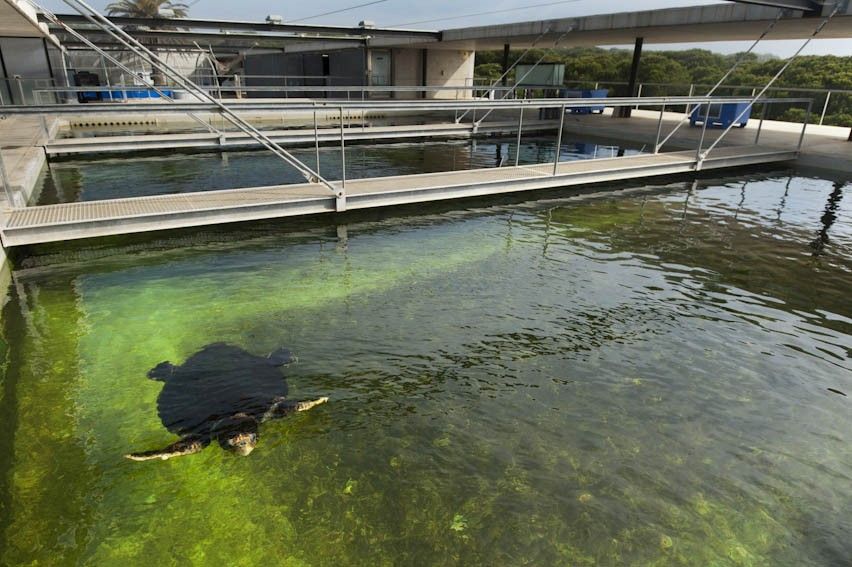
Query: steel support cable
(750, 104)
(315, 16)
(724, 78)
(55, 20)
(141, 51)
(465, 16)
(512, 66)
(518, 82)
(136, 47)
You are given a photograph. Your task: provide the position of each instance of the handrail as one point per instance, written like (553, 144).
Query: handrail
(418, 88)
(339, 110)
(136, 47)
(703, 155)
(432, 104)
(512, 66)
(51, 16)
(530, 70)
(740, 58)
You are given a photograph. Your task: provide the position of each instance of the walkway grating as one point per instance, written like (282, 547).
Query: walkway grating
(141, 214)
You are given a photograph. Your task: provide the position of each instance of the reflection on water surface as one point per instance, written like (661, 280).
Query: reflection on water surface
(637, 378)
(110, 178)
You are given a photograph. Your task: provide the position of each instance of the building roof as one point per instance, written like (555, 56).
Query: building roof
(698, 24)
(18, 19)
(732, 21)
(237, 35)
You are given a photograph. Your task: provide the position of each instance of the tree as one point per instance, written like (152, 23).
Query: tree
(148, 9)
(702, 68)
(145, 8)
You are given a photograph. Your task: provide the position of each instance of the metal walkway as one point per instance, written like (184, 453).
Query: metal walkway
(208, 140)
(70, 221)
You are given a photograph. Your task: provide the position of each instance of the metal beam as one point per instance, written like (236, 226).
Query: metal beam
(382, 105)
(224, 26)
(625, 111)
(800, 5)
(505, 68)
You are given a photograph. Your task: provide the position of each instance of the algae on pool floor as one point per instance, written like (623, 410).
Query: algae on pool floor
(638, 379)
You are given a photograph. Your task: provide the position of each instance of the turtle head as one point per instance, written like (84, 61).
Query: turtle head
(237, 434)
(240, 443)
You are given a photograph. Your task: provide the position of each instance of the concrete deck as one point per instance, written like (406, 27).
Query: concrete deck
(70, 221)
(300, 136)
(21, 148)
(825, 147)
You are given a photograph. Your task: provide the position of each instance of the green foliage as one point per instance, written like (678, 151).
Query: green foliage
(145, 8)
(590, 65)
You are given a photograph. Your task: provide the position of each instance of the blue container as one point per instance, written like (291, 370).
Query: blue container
(721, 115)
(590, 93)
(119, 94)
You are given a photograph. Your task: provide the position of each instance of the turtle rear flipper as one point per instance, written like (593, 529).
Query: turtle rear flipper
(283, 407)
(186, 446)
(162, 371)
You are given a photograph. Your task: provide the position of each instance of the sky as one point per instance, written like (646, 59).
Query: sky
(388, 13)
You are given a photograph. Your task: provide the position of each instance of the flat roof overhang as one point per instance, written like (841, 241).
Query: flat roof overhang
(18, 19)
(236, 35)
(698, 24)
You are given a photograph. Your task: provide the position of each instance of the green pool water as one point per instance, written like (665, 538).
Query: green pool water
(632, 378)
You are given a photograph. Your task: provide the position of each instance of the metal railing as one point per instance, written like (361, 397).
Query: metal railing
(350, 92)
(342, 109)
(826, 96)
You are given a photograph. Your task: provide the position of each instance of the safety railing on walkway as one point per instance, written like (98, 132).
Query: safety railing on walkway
(348, 92)
(704, 145)
(827, 101)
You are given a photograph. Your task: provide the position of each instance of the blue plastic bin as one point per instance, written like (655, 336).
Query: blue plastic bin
(590, 93)
(721, 115)
(119, 94)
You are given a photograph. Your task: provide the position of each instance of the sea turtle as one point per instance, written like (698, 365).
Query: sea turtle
(221, 393)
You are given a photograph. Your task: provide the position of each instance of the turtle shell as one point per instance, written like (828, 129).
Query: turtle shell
(218, 381)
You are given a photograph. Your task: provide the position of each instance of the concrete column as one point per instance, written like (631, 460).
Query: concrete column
(634, 75)
(506, 48)
(424, 54)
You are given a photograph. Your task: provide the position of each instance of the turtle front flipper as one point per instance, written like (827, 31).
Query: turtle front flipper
(283, 407)
(185, 446)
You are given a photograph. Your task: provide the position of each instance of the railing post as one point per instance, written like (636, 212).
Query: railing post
(639, 94)
(20, 89)
(45, 128)
(316, 141)
(4, 179)
(558, 139)
(659, 129)
(825, 108)
(520, 127)
(340, 204)
(805, 125)
(760, 124)
(698, 159)
(688, 106)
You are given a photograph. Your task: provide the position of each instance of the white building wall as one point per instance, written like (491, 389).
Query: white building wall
(407, 71)
(449, 68)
